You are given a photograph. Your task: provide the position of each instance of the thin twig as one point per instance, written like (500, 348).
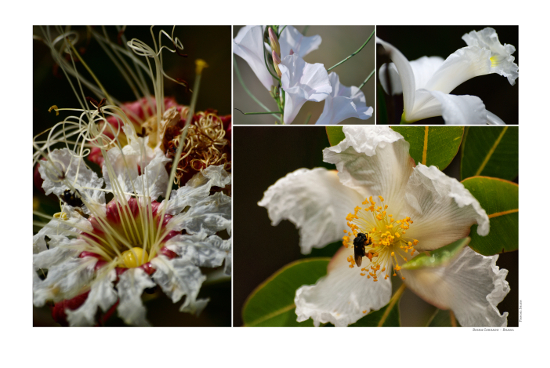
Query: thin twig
(352, 55)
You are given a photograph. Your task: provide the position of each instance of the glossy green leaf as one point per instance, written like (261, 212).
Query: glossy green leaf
(442, 318)
(499, 198)
(335, 134)
(490, 151)
(430, 145)
(388, 318)
(438, 257)
(272, 303)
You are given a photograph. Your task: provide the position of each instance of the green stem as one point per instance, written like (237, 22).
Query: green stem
(307, 118)
(258, 113)
(366, 80)
(279, 34)
(305, 30)
(352, 55)
(392, 302)
(246, 89)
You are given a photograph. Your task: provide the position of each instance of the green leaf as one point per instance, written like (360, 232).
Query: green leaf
(432, 145)
(499, 198)
(388, 318)
(490, 151)
(438, 257)
(335, 135)
(442, 318)
(272, 303)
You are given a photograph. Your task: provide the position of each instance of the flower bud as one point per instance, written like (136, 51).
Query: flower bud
(276, 62)
(274, 41)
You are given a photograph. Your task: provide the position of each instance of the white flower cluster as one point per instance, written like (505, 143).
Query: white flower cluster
(301, 81)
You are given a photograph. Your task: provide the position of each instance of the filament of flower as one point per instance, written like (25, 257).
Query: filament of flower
(387, 235)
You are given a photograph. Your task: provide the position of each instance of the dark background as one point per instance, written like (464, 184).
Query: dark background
(414, 42)
(338, 42)
(211, 43)
(265, 154)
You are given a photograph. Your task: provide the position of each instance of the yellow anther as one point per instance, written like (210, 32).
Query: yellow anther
(62, 215)
(364, 312)
(397, 235)
(381, 198)
(54, 107)
(415, 242)
(200, 65)
(362, 274)
(134, 257)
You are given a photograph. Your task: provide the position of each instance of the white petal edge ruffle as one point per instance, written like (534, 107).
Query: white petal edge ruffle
(249, 45)
(471, 286)
(342, 297)
(442, 209)
(313, 200)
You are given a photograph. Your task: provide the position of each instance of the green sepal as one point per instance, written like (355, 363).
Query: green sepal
(438, 257)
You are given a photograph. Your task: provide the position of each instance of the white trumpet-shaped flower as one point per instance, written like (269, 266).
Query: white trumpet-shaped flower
(249, 44)
(403, 209)
(427, 83)
(302, 82)
(343, 103)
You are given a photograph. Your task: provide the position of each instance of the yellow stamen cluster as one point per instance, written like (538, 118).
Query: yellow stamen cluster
(388, 237)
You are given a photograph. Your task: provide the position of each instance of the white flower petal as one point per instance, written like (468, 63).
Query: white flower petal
(462, 65)
(374, 161)
(130, 287)
(209, 215)
(405, 72)
(178, 277)
(203, 250)
(471, 286)
(442, 209)
(65, 249)
(102, 294)
(461, 110)
(292, 39)
(492, 119)
(58, 229)
(315, 201)
(75, 171)
(502, 61)
(342, 297)
(126, 165)
(249, 45)
(423, 69)
(343, 103)
(302, 82)
(64, 280)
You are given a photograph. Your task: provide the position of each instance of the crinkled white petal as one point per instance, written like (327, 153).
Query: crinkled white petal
(130, 286)
(313, 200)
(75, 172)
(249, 45)
(64, 249)
(423, 69)
(405, 72)
(461, 110)
(58, 229)
(471, 286)
(203, 250)
(197, 188)
(502, 59)
(462, 65)
(342, 297)
(179, 277)
(102, 294)
(302, 82)
(343, 103)
(64, 280)
(374, 161)
(292, 39)
(441, 208)
(124, 163)
(209, 215)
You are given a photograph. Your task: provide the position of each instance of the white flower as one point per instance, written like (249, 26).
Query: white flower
(426, 83)
(249, 44)
(404, 210)
(302, 82)
(343, 103)
(133, 242)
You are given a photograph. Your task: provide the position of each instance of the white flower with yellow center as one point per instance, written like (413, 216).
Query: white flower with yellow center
(395, 209)
(427, 83)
